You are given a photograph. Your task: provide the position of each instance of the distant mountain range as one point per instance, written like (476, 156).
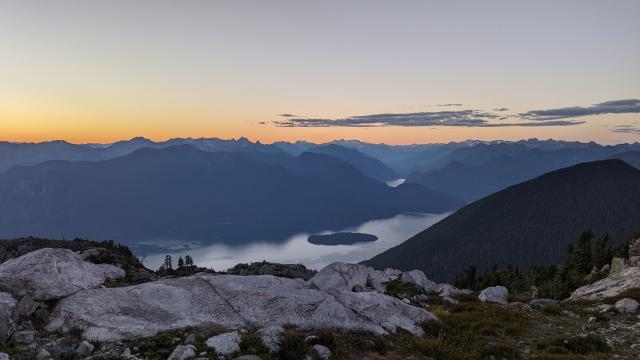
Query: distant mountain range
(181, 193)
(529, 223)
(34, 153)
(422, 163)
(368, 165)
(480, 170)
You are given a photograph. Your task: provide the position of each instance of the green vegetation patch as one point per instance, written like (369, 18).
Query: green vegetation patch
(397, 287)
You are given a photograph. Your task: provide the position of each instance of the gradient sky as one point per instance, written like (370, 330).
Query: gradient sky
(99, 71)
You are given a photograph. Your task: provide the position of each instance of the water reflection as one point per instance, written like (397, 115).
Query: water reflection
(296, 249)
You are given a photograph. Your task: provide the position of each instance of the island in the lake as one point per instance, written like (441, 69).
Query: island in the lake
(341, 238)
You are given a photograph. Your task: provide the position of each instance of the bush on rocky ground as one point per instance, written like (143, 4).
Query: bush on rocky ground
(581, 345)
(587, 261)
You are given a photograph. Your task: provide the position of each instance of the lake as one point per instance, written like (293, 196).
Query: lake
(390, 232)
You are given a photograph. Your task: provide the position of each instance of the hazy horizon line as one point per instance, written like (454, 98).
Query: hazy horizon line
(257, 141)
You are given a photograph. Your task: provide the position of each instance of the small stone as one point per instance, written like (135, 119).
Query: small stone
(406, 300)
(24, 337)
(627, 306)
(522, 306)
(592, 319)
(603, 308)
(618, 265)
(311, 338)
(366, 344)
(540, 303)
(323, 352)
(225, 344)
(43, 355)
(4, 356)
(182, 352)
(84, 349)
(449, 300)
(271, 337)
(190, 339)
(634, 248)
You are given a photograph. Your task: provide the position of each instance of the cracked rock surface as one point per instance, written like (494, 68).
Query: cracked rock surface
(232, 301)
(48, 274)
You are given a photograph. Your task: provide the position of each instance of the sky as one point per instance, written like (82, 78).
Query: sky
(397, 72)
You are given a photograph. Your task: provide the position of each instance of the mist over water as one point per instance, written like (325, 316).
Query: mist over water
(396, 182)
(390, 232)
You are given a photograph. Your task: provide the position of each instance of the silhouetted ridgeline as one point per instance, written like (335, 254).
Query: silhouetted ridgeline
(528, 223)
(368, 165)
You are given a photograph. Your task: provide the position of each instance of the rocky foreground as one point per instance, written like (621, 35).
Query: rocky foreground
(55, 303)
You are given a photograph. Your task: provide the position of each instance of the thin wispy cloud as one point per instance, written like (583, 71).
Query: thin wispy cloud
(472, 118)
(461, 118)
(607, 107)
(627, 129)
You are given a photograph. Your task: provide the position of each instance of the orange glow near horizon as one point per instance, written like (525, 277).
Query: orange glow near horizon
(108, 131)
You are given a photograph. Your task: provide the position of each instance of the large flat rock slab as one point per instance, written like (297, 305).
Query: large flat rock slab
(232, 301)
(47, 274)
(611, 286)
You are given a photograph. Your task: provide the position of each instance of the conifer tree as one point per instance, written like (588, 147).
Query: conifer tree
(188, 260)
(168, 262)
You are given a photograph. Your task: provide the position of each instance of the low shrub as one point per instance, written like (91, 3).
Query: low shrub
(582, 345)
(500, 351)
(292, 347)
(396, 288)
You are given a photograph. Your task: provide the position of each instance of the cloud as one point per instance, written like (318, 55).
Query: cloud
(473, 118)
(607, 107)
(462, 118)
(627, 129)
